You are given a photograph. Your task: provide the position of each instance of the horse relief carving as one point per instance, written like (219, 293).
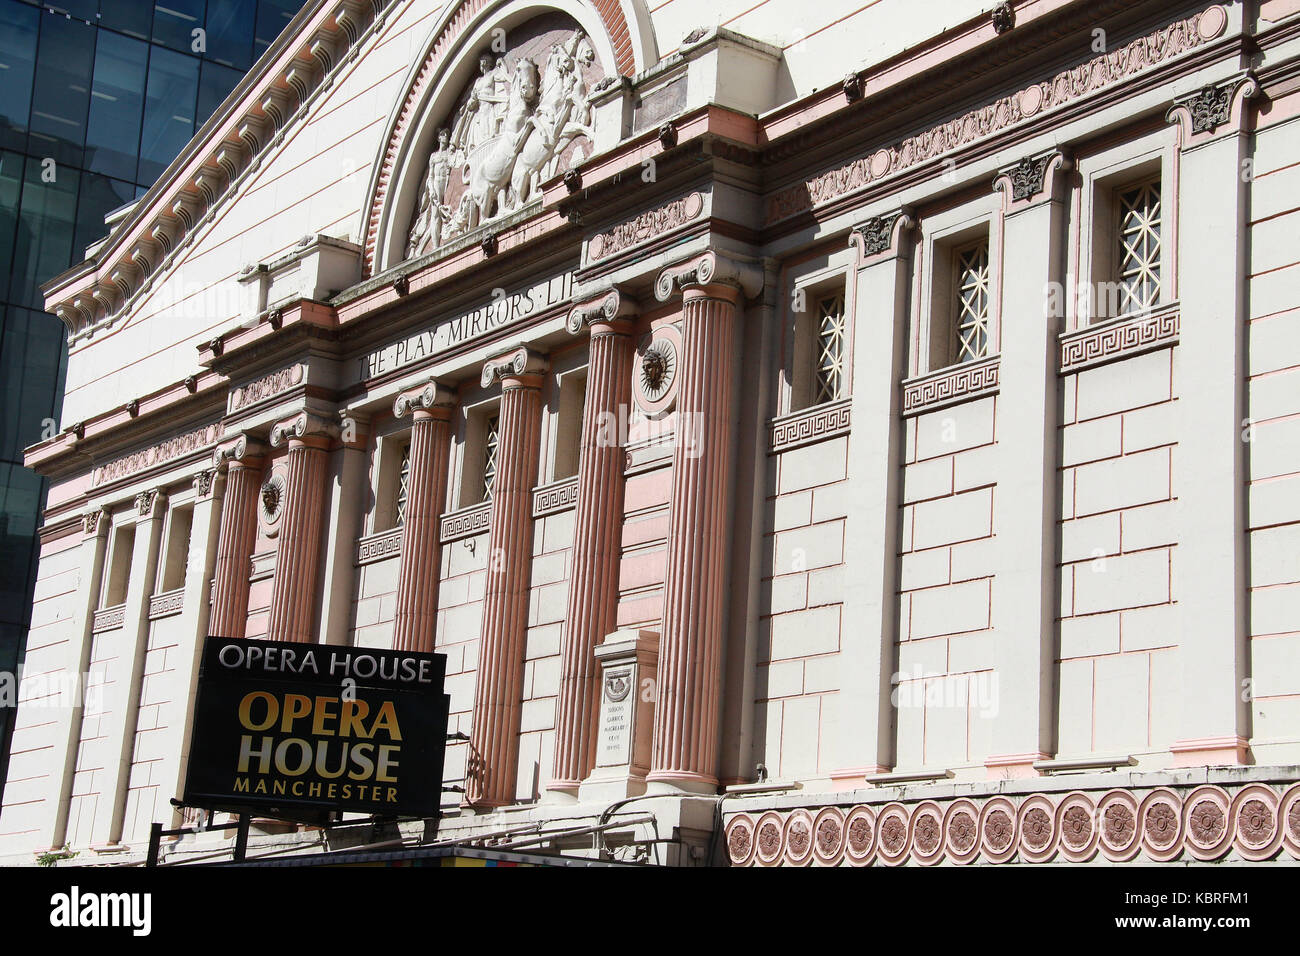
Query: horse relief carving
(513, 131)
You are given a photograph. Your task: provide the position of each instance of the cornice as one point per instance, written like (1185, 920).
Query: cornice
(324, 38)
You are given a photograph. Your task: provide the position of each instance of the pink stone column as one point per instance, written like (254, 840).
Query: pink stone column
(229, 617)
(494, 737)
(417, 581)
(685, 750)
(593, 584)
(297, 562)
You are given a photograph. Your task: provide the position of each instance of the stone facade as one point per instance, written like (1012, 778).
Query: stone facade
(931, 471)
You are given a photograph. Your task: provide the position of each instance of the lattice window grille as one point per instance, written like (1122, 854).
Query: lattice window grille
(1139, 248)
(830, 348)
(973, 303)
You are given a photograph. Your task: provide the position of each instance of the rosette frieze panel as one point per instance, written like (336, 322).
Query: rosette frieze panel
(1253, 822)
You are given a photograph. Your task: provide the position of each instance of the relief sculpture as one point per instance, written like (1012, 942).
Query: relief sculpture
(518, 125)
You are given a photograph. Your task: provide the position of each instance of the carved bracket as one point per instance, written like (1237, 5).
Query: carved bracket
(880, 234)
(1210, 107)
(1032, 176)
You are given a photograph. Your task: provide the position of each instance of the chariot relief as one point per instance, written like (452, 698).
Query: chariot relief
(524, 118)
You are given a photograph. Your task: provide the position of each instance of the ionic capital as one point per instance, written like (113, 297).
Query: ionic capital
(428, 397)
(304, 428)
(522, 366)
(606, 308)
(244, 449)
(710, 268)
(95, 522)
(150, 504)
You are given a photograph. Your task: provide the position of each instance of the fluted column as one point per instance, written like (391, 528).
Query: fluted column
(685, 751)
(593, 583)
(297, 562)
(417, 581)
(494, 738)
(244, 459)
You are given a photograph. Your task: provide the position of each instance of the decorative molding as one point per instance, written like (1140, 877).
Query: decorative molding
(379, 546)
(1119, 338)
(949, 386)
(270, 505)
(266, 387)
(1195, 823)
(709, 268)
(1093, 74)
(163, 452)
(558, 496)
(651, 224)
(110, 618)
(520, 361)
(167, 604)
(808, 426)
(465, 523)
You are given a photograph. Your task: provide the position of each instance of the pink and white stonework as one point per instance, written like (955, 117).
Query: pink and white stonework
(926, 475)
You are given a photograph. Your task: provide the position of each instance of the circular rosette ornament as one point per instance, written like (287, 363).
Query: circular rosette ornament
(769, 836)
(998, 829)
(1117, 825)
(270, 505)
(1076, 822)
(655, 371)
(860, 835)
(1256, 823)
(891, 839)
(1288, 816)
(1161, 814)
(740, 839)
(961, 831)
(927, 832)
(1037, 824)
(1206, 823)
(799, 837)
(828, 836)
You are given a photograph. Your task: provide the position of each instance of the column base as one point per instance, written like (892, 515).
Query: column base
(1211, 752)
(671, 782)
(1014, 766)
(560, 793)
(610, 784)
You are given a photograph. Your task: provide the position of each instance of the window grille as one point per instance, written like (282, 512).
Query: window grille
(403, 485)
(1139, 247)
(830, 348)
(490, 442)
(973, 303)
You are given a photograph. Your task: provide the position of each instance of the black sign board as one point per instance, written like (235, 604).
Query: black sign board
(294, 730)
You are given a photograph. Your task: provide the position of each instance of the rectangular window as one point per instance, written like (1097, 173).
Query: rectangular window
(177, 555)
(829, 372)
(971, 295)
(491, 434)
(119, 566)
(403, 486)
(1138, 235)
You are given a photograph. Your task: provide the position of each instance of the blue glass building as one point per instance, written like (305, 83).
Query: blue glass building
(97, 97)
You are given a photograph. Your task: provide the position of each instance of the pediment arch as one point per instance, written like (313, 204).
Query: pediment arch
(589, 40)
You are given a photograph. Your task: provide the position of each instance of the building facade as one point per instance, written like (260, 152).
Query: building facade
(98, 97)
(851, 436)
